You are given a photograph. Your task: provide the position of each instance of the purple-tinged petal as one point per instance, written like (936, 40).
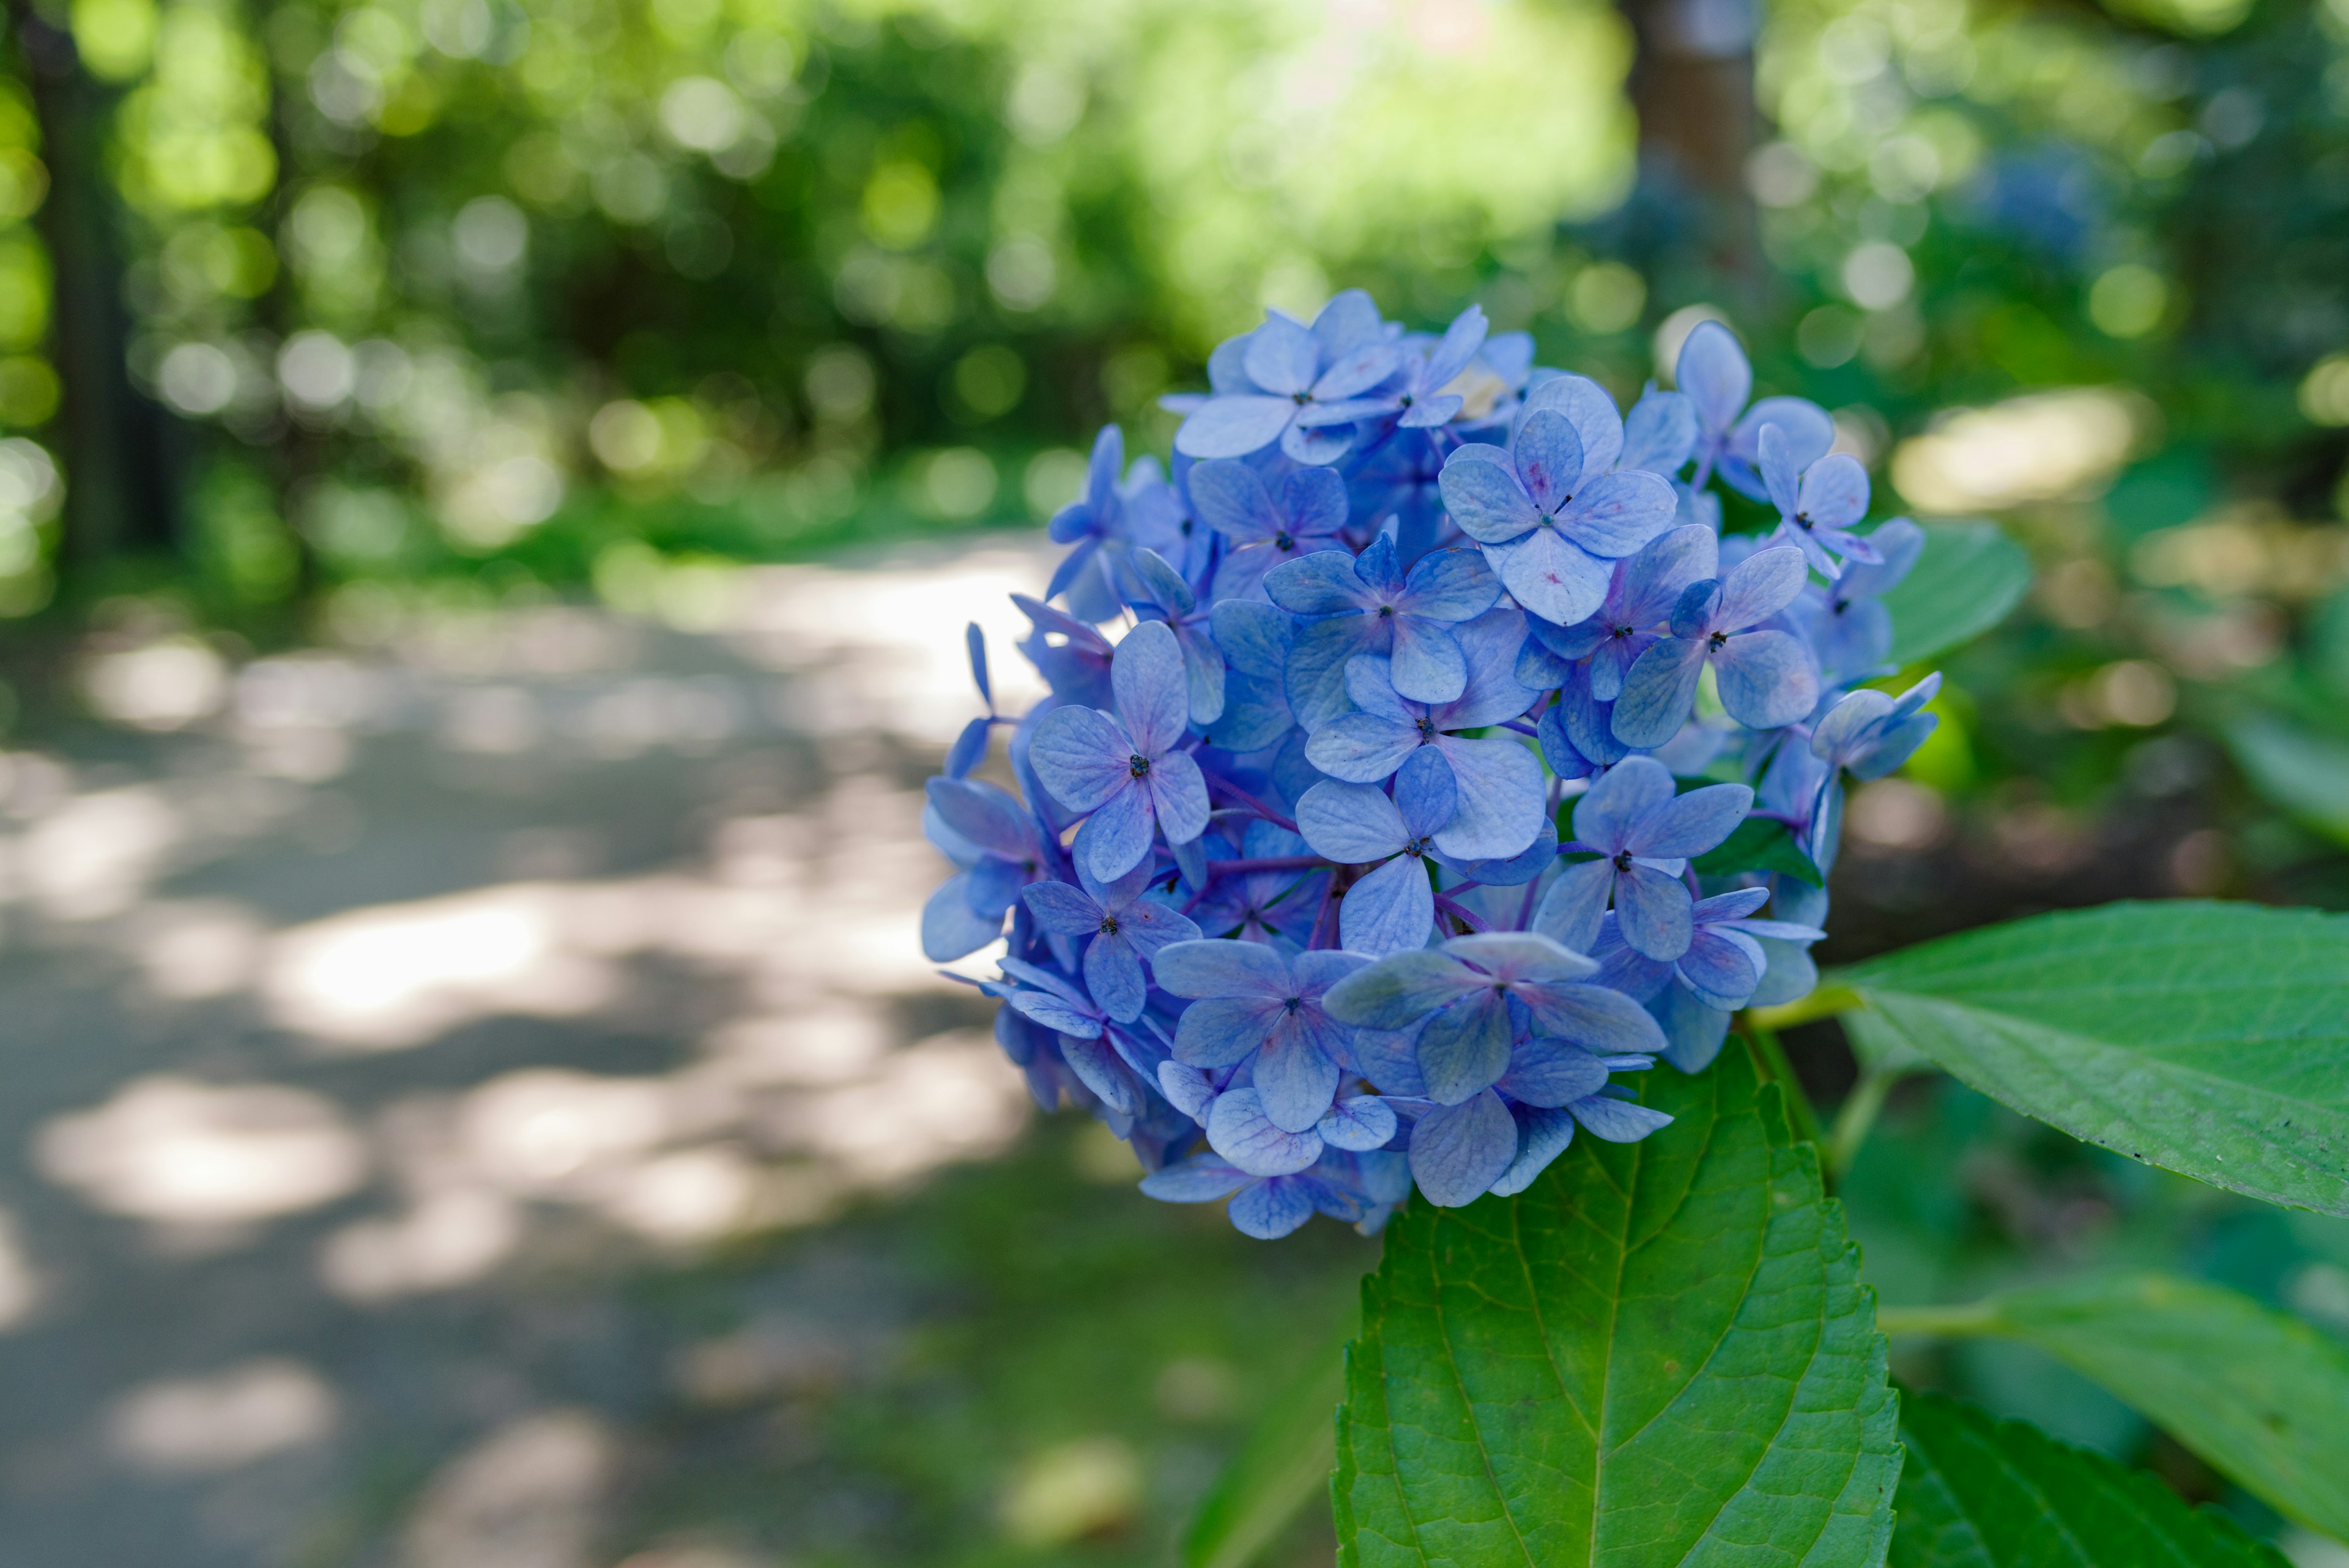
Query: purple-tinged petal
(1238, 1129)
(1295, 1078)
(1271, 1210)
(1282, 356)
(1586, 405)
(1153, 689)
(1363, 1122)
(1658, 692)
(1849, 726)
(1080, 756)
(1202, 1179)
(1072, 911)
(1390, 911)
(1618, 1121)
(1550, 459)
(1101, 1070)
(1519, 956)
(1570, 911)
(1152, 927)
(1187, 1089)
(1542, 1136)
(1766, 679)
(1595, 1017)
(1113, 974)
(1618, 513)
(1199, 969)
(1834, 492)
(1731, 906)
(1659, 433)
(1723, 968)
(1611, 810)
(1457, 1152)
(1053, 1013)
(1116, 838)
(1447, 586)
(1178, 792)
(1652, 911)
(1353, 824)
(1688, 825)
(1501, 798)
(1426, 793)
(1551, 1072)
(1483, 496)
(1400, 990)
(1758, 587)
(1235, 426)
(1713, 372)
(1651, 582)
(1551, 576)
(1315, 677)
(1464, 1048)
(1220, 1031)
(1323, 583)
(985, 815)
(1357, 372)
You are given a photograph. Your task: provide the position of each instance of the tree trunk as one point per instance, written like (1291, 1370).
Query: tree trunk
(1693, 88)
(118, 491)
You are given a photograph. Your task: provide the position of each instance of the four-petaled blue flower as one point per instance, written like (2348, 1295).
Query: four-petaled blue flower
(992, 838)
(1632, 619)
(1125, 770)
(1291, 383)
(1713, 371)
(1266, 527)
(1817, 505)
(1644, 835)
(1767, 677)
(1369, 604)
(1391, 908)
(1126, 928)
(1252, 1004)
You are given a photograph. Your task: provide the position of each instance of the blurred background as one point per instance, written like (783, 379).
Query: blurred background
(488, 493)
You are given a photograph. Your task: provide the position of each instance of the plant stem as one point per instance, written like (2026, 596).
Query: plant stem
(1949, 1322)
(1855, 1119)
(1241, 798)
(1771, 1058)
(1825, 1001)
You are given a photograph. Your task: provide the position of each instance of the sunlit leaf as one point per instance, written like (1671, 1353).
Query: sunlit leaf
(1970, 576)
(2306, 774)
(1661, 1353)
(2208, 1039)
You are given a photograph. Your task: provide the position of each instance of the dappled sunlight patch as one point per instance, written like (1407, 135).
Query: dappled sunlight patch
(448, 1240)
(176, 1152)
(532, 1494)
(200, 1425)
(2043, 446)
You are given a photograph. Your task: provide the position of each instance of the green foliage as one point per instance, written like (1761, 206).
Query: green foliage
(1283, 1462)
(2307, 774)
(2208, 1039)
(1760, 845)
(1970, 578)
(1660, 1353)
(1977, 1492)
(2263, 1398)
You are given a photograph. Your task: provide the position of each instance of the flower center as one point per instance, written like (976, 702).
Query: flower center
(1300, 399)
(1137, 765)
(1426, 731)
(1386, 612)
(1109, 924)
(1717, 639)
(1622, 860)
(1292, 1004)
(1282, 541)
(1622, 631)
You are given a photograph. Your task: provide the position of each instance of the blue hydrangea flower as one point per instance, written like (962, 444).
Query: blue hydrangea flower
(1631, 619)
(1497, 781)
(1252, 1003)
(1289, 383)
(1270, 1206)
(1398, 481)
(1692, 996)
(1713, 371)
(1126, 928)
(1391, 907)
(1549, 517)
(1847, 626)
(1125, 770)
(1077, 667)
(1109, 519)
(994, 841)
(1253, 639)
(1816, 505)
(1866, 734)
(1644, 835)
(1159, 592)
(1275, 906)
(1117, 1065)
(1266, 527)
(1368, 604)
(1767, 677)
(1414, 396)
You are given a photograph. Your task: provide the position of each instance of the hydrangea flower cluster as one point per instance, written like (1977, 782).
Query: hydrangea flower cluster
(1421, 755)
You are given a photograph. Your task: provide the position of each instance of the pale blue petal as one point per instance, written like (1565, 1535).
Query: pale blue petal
(1400, 990)
(1766, 679)
(1152, 927)
(1653, 580)
(1557, 748)
(1234, 426)
(1270, 1210)
(1611, 810)
(1202, 1179)
(1116, 838)
(1723, 968)
(1295, 1079)
(1390, 911)
(1652, 911)
(1781, 472)
(1457, 1152)
(1620, 513)
(1617, 1121)
(1187, 1089)
(1153, 692)
(1516, 870)
(1427, 665)
(1551, 576)
(1100, 1069)
(1364, 1122)
(1570, 911)
(1254, 638)
(1459, 345)
(1501, 798)
(1314, 974)
(1483, 496)
(1803, 426)
(1054, 1013)
(1519, 956)
(1315, 680)
(1282, 356)
(1220, 1031)
(1348, 321)
(1449, 586)
(1352, 824)
(1549, 1073)
(1758, 587)
(1389, 1060)
(1238, 1129)
(1542, 1136)
(1464, 1047)
(1178, 792)
(1658, 692)
(1072, 911)
(1221, 968)
(1427, 793)
(1713, 372)
(1585, 405)
(1358, 370)
(1549, 458)
(1489, 645)
(1113, 974)
(1791, 976)
(1323, 583)
(1231, 499)
(1595, 1017)
(1688, 825)
(984, 815)
(1659, 433)
(1362, 748)
(1080, 756)
(951, 927)
(1834, 492)
(1694, 1032)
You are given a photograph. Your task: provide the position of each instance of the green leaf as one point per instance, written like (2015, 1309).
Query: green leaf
(2306, 774)
(1977, 1493)
(1661, 1353)
(1970, 576)
(1283, 1464)
(2261, 1396)
(2209, 1039)
(1760, 845)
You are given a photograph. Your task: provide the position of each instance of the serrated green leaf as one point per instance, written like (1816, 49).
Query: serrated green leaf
(2262, 1396)
(1977, 1493)
(1660, 1354)
(1283, 1464)
(2208, 1039)
(1971, 575)
(1760, 843)
(2306, 774)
